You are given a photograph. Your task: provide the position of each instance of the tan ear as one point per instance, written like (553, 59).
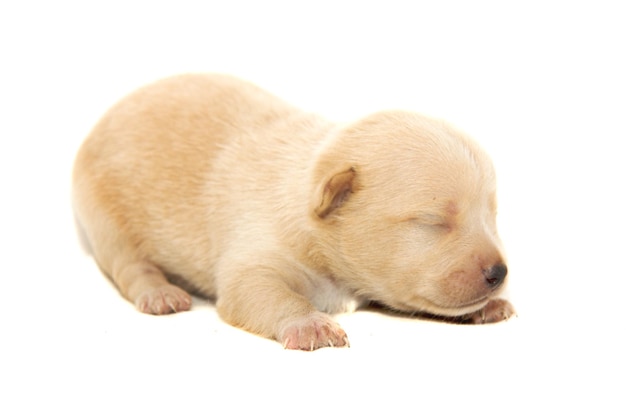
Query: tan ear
(334, 191)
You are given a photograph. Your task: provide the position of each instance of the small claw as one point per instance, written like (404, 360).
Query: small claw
(285, 343)
(330, 343)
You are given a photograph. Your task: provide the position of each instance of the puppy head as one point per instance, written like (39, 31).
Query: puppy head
(405, 207)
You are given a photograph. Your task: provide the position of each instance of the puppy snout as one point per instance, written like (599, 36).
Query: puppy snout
(495, 275)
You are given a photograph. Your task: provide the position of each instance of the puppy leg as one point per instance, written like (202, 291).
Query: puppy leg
(145, 285)
(267, 305)
(495, 311)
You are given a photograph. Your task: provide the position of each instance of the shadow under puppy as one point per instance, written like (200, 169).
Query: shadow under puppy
(208, 184)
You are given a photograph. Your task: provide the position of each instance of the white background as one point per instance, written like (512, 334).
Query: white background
(540, 84)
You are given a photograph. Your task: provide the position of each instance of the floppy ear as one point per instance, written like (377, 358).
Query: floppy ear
(333, 191)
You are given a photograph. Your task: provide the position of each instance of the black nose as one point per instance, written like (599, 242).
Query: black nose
(495, 275)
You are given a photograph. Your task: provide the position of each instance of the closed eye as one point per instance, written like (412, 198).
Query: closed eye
(440, 227)
(431, 221)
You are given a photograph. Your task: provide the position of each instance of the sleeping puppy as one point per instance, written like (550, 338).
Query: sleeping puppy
(206, 184)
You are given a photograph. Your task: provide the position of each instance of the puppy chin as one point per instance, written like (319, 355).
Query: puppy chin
(463, 310)
(423, 305)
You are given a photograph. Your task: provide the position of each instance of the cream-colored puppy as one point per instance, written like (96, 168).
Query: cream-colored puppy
(208, 184)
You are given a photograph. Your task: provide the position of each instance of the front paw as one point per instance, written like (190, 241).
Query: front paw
(166, 299)
(495, 311)
(314, 331)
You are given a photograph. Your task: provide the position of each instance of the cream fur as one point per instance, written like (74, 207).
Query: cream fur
(208, 184)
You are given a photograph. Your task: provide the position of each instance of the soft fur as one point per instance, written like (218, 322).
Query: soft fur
(208, 184)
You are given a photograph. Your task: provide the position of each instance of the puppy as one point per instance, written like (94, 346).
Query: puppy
(207, 184)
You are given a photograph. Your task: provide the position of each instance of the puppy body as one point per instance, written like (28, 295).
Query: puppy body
(207, 184)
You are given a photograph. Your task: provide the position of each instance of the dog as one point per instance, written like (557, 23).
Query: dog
(206, 184)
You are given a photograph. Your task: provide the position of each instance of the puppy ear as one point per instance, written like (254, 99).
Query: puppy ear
(333, 191)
